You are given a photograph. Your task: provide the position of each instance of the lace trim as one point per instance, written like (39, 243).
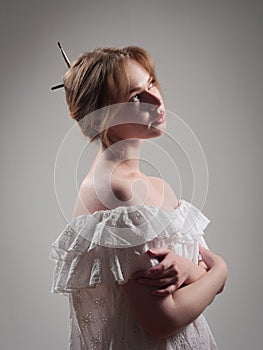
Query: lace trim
(87, 253)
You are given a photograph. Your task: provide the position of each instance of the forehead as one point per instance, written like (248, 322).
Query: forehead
(136, 73)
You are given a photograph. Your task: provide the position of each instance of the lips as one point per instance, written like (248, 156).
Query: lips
(160, 118)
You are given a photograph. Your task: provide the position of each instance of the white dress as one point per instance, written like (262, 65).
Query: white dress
(97, 252)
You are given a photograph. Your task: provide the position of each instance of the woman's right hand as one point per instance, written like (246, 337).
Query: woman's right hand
(212, 260)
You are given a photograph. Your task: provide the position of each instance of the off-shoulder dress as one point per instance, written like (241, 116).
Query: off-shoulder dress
(98, 252)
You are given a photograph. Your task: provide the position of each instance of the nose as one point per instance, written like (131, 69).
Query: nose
(153, 97)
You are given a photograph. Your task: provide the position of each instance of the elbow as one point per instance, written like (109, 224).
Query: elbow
(224, 278)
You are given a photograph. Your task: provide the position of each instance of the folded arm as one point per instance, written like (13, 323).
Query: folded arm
(161, 317)
(171, 273)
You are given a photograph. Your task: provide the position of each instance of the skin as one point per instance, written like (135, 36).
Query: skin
(170, 274)
(161, 317)
(172, 294)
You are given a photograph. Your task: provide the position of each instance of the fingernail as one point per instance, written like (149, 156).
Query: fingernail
(150, 252)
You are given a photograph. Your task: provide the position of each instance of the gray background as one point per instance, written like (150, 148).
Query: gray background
(209, 58)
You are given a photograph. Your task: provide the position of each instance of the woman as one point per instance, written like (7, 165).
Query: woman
(130, 258)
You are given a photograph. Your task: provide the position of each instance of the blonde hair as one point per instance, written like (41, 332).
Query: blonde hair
(98, 79)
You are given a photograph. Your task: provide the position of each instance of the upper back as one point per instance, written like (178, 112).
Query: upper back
(108, 191)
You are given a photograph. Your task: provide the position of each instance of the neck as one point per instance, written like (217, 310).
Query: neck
(124, 154)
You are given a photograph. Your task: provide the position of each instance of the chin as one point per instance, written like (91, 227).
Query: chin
(157, 132)
(160, 129)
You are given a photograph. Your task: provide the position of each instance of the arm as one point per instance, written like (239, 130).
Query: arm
(161, 317)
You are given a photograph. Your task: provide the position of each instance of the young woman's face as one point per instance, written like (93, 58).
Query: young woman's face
(143, 116)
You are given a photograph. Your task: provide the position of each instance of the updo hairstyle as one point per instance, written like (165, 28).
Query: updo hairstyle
(98, 79)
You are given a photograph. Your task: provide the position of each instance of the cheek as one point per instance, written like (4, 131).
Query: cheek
(135, 128)
(138, 115)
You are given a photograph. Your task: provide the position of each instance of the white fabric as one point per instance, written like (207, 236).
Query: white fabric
(97, 252)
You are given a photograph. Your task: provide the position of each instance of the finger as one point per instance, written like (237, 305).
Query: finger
(158, 252)
(202, 250)
(165, 264)
(202, 264)
(207, 256)
(169, 272)
(164, 292)
(153, 274)
(162, 282)
(140, 274)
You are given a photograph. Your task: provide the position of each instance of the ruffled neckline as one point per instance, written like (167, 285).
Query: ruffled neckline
(133, 208)
(126, 226)
(98, 248)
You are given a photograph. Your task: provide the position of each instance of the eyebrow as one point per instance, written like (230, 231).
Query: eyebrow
(137, 88)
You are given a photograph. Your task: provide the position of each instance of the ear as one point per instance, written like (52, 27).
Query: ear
(96, 123)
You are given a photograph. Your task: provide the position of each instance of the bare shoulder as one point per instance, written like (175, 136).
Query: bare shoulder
(100, 194)
(87, 201)
(166, 188)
